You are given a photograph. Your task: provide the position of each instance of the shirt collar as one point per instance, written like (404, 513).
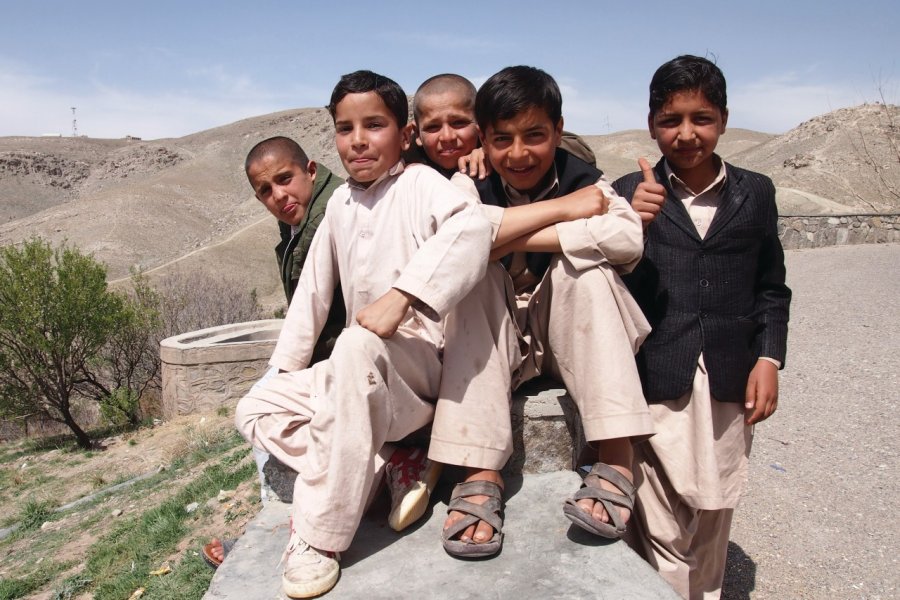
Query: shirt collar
(679, 185)
(550, 189)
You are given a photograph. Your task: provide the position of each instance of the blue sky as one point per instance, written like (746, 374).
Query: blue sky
(169, 68)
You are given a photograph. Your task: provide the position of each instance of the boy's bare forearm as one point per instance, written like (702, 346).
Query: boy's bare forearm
(519, 221)
(543, 240)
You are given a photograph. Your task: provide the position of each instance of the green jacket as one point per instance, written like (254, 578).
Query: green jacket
(292, 250)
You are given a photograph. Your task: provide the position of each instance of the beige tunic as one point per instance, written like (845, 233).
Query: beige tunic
(411, 230)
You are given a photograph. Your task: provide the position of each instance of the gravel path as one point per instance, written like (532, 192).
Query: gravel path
(819, 518)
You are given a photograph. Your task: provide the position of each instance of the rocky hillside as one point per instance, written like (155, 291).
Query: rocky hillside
(850, 156)
(185, 204)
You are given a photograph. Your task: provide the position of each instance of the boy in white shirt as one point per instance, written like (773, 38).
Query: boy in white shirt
(405, 245)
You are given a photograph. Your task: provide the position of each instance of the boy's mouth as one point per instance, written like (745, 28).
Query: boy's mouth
(521, 171)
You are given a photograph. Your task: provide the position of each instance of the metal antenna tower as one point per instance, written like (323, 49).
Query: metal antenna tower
(74, 124)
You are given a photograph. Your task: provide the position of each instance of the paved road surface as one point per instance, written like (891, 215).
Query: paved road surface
(820, 516)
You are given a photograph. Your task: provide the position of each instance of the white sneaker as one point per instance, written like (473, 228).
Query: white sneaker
(308, 572)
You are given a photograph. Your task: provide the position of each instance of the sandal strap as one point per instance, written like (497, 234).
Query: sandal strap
(603, 471)
(489, 511)
(476, 488)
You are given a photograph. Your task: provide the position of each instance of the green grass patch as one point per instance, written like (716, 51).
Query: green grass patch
(34, 513)
(147, 540)
(70, 588)
(11, 588)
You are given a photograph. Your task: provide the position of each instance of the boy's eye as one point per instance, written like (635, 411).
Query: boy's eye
(263, 191)
(431, 128)
(342, 128)
(460, 123)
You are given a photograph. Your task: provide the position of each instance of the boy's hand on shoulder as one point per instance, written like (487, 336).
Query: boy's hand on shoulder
(589, 201)
(475, 164)
(384, 316)
(649, 196)
(762, 392)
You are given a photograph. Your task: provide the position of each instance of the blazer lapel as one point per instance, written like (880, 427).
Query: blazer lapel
(673, 208)
(732, 200)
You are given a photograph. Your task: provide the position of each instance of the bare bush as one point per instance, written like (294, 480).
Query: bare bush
(189, 302)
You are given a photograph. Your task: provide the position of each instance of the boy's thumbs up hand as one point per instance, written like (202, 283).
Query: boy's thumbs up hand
(649, 195)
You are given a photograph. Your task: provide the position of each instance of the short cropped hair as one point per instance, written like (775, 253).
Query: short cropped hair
(514, 90)
(688, 73)
(360, 82)
(279, 144)
(441, 84)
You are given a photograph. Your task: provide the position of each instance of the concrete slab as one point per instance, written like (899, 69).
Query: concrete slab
(543, 556)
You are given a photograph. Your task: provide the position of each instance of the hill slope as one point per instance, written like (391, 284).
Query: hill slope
(185, 204)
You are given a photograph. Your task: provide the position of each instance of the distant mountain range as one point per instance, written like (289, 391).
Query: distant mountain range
(184, 203)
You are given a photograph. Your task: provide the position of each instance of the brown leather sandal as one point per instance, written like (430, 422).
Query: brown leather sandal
(490, 512)
(611, 501)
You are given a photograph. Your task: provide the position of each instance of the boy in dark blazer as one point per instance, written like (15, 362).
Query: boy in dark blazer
(712, 285)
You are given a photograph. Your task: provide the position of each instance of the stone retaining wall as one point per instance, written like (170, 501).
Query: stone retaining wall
(816, 231)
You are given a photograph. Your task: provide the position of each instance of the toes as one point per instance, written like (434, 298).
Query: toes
(600, 513)
(483, 533)
(468, 534)
(452, 517)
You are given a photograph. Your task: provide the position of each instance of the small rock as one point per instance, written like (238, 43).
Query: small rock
(225, 495)
(191, 507)
(46, 525)
(116, 512)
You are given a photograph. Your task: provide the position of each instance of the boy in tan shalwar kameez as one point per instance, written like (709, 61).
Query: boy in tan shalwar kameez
(405, 245)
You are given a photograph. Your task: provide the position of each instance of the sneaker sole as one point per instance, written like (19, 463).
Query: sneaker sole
(415, 502)
(310, 589)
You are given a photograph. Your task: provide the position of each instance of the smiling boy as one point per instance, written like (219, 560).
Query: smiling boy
(555, 307)
(405, 245)
(712, 284)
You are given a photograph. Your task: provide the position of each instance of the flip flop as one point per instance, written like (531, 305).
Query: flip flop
(211, 560)
(611, 501)
(490, 512)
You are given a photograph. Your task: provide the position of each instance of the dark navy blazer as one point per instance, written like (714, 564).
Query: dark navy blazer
(723, 295)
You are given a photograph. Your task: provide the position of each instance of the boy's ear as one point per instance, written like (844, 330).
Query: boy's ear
(724, 120)
(417, 137)
(311, 167)
(650, 126)
(406, 133)
(557, 131)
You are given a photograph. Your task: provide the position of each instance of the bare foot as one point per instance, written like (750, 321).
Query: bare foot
(481, 532)
(216, 550)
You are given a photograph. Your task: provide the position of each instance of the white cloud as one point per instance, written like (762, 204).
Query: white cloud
(35, 105)
(779, 103)
(601, 113)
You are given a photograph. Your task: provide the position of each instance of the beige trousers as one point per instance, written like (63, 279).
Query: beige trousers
(689, 478)
(580, 327)
(328, 423)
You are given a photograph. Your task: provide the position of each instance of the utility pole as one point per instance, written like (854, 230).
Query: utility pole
(74, 124)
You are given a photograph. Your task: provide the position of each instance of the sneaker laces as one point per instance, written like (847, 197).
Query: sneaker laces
(298, 544)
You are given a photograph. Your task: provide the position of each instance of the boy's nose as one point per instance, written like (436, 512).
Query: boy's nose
(358, 137)
(518, 148)
(686, 130)
(446, 133)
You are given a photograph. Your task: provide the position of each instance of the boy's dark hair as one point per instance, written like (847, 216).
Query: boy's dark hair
(275, 144)
(440, 84)
(688, 73)
(360, 82)
(514, 90)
